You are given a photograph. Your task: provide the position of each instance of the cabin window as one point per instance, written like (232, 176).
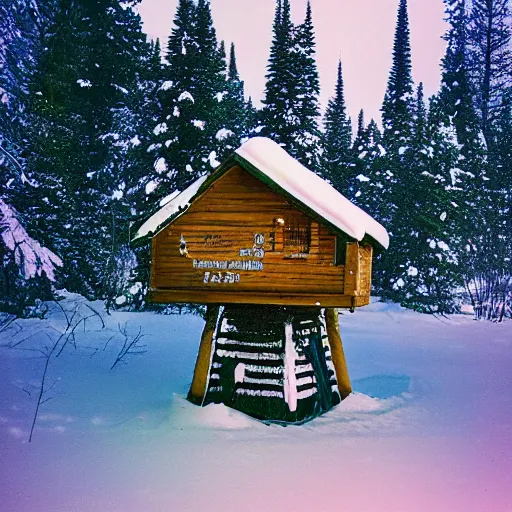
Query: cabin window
(296, 235)
(291, 235)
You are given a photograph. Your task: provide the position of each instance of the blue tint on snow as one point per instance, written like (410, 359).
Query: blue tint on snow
(382, 386)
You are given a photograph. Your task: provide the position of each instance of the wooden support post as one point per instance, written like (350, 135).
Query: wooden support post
(337, 353)
(199, 382)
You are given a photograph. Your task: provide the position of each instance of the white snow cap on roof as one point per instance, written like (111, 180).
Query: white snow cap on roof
(311, 190)
(179, 202)
(291, 176)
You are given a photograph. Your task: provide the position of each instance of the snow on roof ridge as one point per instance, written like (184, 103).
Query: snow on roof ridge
(311, 190)
(290, 175)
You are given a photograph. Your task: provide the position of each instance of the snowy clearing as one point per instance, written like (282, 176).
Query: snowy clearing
(428, 428)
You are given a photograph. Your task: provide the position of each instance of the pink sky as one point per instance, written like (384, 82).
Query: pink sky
(360, 31)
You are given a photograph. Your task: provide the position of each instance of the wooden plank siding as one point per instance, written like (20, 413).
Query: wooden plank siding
(365, 265)
(224, 221)
(352, 269)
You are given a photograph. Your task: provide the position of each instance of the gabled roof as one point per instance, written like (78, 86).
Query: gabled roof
(270, 163)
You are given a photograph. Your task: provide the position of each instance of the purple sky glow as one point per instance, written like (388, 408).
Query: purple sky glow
(359, 31)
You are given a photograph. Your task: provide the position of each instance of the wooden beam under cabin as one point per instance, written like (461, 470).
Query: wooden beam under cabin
(337, 353)
(197, 390)
(209, 296)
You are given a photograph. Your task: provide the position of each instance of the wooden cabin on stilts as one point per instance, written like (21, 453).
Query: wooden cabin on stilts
(274, 251)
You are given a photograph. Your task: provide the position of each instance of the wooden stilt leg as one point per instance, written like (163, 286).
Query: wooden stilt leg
(337, 354)
(198, 387)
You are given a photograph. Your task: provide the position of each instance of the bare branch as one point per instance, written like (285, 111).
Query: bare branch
(6, 322)
(63, 311)
(108, 341)
(97, 314)
(130, 346)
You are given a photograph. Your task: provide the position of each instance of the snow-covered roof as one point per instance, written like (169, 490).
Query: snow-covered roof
(281, 171)
(311, 190)
(177, 205)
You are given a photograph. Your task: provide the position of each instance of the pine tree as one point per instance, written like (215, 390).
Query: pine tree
(456, 93)
(490, 58)
(21, 257)
(277, 115)
(417, 161)
(490, 282)
(360, 124)
(149, 111)
(396, 173)
(397, 119)
(419, 124)
(177, 73)
(368, 184)
(480, 247)
(82, 92)
(252, 116)
(290, 113)
(305, 107)
(497, 296)
(396, 109)
(233, 112)
(337, 155)
(360, 137)
(21, 23)
(193, 88)
(490, 72)
(424, 274)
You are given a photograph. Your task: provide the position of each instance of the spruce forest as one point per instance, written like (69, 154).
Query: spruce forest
(99, 125)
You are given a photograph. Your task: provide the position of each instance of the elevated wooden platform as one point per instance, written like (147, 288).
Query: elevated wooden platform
(277, 364)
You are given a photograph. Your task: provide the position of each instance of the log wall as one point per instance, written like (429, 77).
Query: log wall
(231, 246)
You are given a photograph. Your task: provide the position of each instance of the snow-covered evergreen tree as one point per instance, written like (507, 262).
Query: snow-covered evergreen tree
(413, 180)
(490, 279)
(337, 155)
(397, 119)
(277, 114)
(21, 23)
(360, 124)
(425, 273)
(290, 113)
(397, 171)
(191, 94)
(490, 58)
(456, 93)
(306, 107)
(480, 229)
(81, 110)
(396, 108)
(369, 181)
(233, 111)
(490, 72)
(26, 267)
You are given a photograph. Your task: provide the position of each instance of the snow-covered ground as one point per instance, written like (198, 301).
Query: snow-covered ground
(429, 427)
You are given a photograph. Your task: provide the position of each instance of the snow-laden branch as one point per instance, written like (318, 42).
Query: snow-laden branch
(16, 165)
(30, 256)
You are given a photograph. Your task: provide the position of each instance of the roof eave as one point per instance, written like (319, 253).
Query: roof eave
(214, 176)
(145, 239)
